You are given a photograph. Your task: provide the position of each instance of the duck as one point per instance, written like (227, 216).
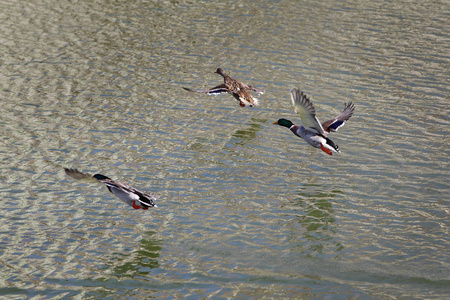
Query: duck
(237, 89)
(312, 131)
(128, 194)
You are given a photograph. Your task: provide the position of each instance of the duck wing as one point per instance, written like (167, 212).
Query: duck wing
(305, 109)
(75, 174)
(220, 89)
(257, 91)
(145, 199)
(334, 124)
(128, 193)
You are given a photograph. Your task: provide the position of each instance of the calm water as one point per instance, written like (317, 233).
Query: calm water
(247, 210)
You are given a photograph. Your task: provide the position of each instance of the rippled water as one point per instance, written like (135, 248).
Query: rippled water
(247, 210)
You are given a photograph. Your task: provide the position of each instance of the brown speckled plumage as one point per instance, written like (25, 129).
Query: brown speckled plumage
(239, 90)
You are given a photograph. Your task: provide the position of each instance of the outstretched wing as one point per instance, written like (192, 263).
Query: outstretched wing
(305, 109)
(334, 124)
(212, 91)
(121, 190)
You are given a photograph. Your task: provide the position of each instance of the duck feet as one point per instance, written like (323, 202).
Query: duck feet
(327, 151)
(135, 206)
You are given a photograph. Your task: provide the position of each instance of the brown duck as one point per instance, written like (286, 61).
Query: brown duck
(239, 90)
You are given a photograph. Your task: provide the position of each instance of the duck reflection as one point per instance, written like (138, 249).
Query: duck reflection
(140, 262)
(241, 136)
(316, 217)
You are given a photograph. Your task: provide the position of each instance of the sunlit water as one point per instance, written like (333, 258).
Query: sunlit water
(247, 209)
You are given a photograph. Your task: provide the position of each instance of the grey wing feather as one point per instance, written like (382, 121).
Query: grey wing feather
(75, 174)
(127, 192)
(305, 109)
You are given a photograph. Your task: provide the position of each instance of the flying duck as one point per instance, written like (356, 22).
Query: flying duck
(312, 131)
(239, 90)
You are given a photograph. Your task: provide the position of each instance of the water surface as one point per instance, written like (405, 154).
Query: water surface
(247, 210)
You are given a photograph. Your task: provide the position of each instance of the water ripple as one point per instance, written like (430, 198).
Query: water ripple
(246, 207)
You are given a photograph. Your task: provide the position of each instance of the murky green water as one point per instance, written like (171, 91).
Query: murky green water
(247, 210)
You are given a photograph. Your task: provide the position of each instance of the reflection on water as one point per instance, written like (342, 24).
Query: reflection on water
(241, 136)
(247, 210)
(138, 262)
(314, 213)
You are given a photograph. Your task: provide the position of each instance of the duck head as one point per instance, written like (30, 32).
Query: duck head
(284, 122)
(220, 71)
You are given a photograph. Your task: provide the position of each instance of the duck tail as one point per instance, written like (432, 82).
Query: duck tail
(330, 145)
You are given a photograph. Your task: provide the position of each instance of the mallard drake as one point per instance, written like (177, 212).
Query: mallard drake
(128, 194)
(313, 132)
(239, 90)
